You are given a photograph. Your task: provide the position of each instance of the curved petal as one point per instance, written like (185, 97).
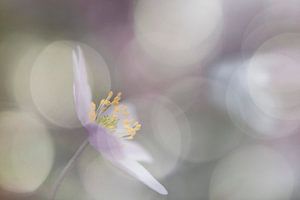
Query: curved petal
(121, 154)
(138, 171)
(104, 142)
(134, 151)
(81, 88)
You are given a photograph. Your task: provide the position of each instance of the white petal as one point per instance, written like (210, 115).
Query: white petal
(136, 152)
(138, 171)
(81, 88)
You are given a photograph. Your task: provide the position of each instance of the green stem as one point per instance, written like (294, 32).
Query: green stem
(69, 165)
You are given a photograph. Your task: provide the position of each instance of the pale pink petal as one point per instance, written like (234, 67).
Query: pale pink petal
(104, 142)
(134, 151)
(121, 154)
(81, 88)
(138, 171)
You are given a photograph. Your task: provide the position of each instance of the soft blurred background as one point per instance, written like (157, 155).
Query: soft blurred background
(216, 84)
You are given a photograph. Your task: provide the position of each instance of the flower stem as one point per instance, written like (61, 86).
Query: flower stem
(69, 165)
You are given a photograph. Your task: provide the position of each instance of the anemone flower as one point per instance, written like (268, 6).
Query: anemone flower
(110, 129)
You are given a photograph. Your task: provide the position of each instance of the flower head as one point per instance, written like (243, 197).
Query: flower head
(114, 116)
(110, 127)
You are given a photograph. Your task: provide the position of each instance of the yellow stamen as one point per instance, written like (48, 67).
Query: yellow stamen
(131, 127)
(109, 96)
(92, 113)
(117, 99)
(111, 121)
(104, 102)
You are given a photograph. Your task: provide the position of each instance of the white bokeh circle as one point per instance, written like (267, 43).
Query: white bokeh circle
(248, 116)
(52, 80)
(178, 33)
(272, 77)
(252, 172)
(212, 132)
(27, 152)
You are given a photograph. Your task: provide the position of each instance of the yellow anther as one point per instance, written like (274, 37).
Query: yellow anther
(131, 127)
(109, 96)
(110, 121)
(131, 132)
(105, 102)
(117, 99)
(92, 113)
(137, 127)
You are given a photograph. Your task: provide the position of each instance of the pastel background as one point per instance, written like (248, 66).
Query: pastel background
(216, 85)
